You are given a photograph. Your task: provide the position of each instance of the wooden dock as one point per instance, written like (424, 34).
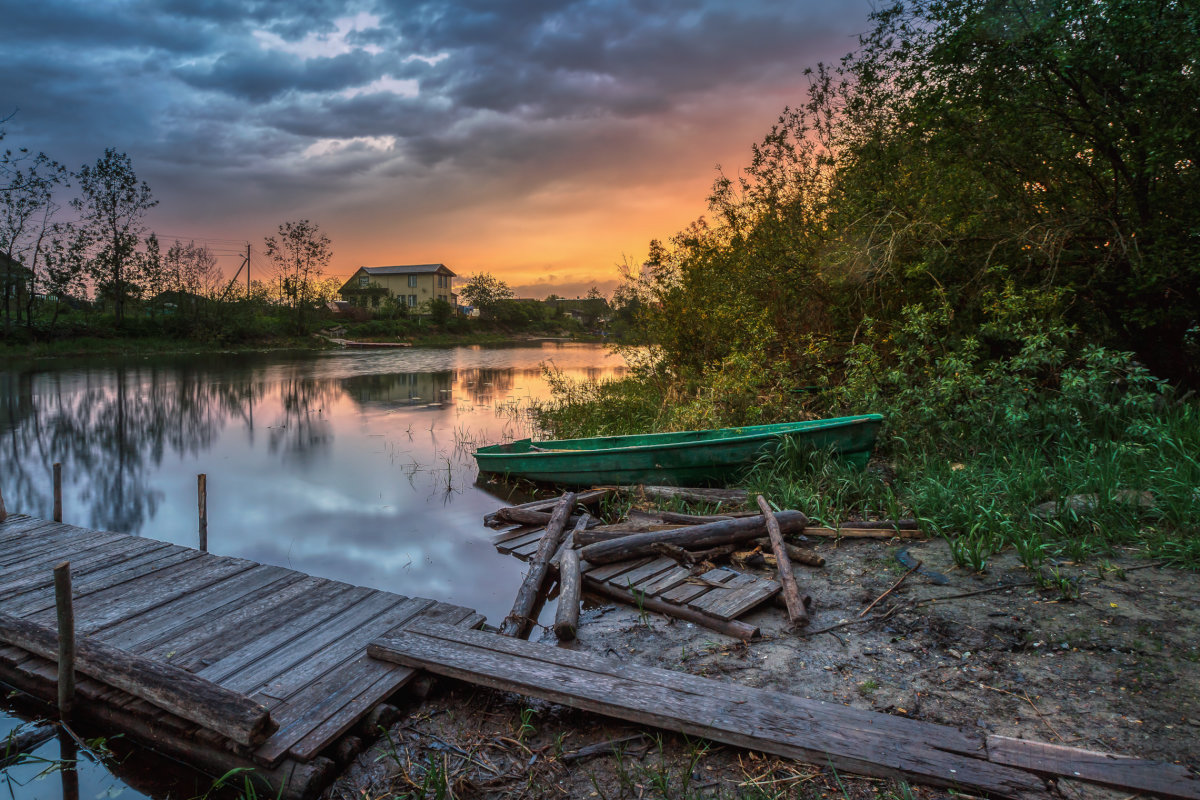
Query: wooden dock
(293, 643)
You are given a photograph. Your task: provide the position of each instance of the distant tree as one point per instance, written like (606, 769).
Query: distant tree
(300, 254)
(27, 209)
(65, 265)
(192, 270)
(440, 311)
(112, 205)
(485, 291)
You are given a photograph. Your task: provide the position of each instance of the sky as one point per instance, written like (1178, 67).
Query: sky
(543, 141)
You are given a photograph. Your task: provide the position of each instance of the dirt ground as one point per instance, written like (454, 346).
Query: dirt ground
(1108, 659)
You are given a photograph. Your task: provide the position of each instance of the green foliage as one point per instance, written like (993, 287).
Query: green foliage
(484, 290)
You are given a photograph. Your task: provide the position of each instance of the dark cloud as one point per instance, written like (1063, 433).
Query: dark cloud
(425, 107)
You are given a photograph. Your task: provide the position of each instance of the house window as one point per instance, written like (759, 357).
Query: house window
(412, 281)
(412, 301)
(364, 281)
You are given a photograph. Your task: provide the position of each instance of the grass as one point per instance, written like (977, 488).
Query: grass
(1121, 473)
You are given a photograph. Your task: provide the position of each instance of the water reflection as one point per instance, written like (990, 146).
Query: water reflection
(353, 466)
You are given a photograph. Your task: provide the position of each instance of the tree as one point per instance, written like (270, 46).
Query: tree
(485, 291)
(112, 205)
(27, 209)
(300, 255)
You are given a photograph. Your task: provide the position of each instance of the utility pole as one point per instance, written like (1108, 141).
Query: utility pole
(247, 272)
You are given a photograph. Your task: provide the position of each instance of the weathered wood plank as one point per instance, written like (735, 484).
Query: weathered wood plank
(49, 548)
(83, 563)
(343, 645)
(766, 721)
(19, 531)
(667, 581)
(607, 572)
(186, 610)
(1121, 772)
(686, 592)
(107, 577)
(253, 666)
(516, 533)
(313, 719)
(530, 535)
(635, 577)
(230, 714)
(695, 536)
(99, 609)
(277, 617)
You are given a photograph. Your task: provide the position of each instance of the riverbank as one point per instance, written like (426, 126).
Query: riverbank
(134, 346)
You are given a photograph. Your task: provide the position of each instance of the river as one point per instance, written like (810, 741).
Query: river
(350, 465)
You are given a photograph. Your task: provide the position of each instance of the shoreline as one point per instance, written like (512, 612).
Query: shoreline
(131, 346)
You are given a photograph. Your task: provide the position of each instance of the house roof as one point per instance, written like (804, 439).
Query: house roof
(407, 269)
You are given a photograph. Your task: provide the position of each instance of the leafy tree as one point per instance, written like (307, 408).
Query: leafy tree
(300, 253)
(112, 205)
(27, 209)
(440, 311)
(485, 291)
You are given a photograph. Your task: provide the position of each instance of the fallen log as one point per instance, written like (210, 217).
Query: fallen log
(606, 533)
(801, 555)
(521, 516)
(587, 498)
(229, 713)
(518, 620)
(734, 628)
(692, 537)
(847, 532)
(797, 613)
(566, 617)
(15, 746)
(686, 494)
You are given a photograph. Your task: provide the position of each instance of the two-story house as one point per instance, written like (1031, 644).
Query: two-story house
(415, 285)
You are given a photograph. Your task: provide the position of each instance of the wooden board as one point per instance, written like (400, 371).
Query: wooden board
(772, 722)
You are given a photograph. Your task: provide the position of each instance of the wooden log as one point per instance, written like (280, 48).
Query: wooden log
(202, 508)
(3, 510)
(520, 516)
(57, 492)
(63, 603)
(734, 628)
(517, 622)
(797, 612)
(672, 518)
(606, 533)
(801, 555)
(696, 536)
(847, 532)
(566, 618)
(686, 494)
(170, 688)
(587, 498)
(888, 524)
(15, 746)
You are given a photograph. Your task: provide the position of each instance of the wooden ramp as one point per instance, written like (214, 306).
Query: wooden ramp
(722, 593)
(294, 643)
(820, 733)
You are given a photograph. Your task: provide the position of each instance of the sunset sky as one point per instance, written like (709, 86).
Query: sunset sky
(542, 141)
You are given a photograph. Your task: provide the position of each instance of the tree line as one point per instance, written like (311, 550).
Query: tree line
(987, 170)
(78, 242)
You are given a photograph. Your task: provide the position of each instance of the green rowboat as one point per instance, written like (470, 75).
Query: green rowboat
(687, 458)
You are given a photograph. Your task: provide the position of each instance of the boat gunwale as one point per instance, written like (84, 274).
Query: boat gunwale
(835, 422)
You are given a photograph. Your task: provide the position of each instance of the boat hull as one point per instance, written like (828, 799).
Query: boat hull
(689, 458)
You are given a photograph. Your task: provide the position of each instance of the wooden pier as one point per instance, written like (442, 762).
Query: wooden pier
(292, 643)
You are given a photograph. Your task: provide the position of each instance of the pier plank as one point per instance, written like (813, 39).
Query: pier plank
(770, 722)
(47, 549)
(185, 610)
(82, 563)
(257, 677)
(21, 534)
(271, 641)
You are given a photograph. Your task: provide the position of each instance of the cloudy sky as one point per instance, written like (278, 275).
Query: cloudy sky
(542, 140)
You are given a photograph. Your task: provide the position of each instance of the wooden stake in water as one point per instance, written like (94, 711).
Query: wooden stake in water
(58, 492)
(202, 501)
(3, 510)
(66, 639)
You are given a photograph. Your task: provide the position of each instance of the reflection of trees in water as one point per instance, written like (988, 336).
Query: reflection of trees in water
(110, 428)
(484, 385)
(302, 430)
(401, 388)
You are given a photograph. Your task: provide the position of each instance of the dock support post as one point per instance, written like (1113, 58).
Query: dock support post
(3, 510)
(57, 492)
(202, 503)
(66, 639)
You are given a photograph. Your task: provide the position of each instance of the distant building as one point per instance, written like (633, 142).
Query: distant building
(414, 285)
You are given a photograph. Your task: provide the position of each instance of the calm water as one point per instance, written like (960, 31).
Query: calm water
(354, 466)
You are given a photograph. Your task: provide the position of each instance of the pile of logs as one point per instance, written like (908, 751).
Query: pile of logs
(745, 538)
